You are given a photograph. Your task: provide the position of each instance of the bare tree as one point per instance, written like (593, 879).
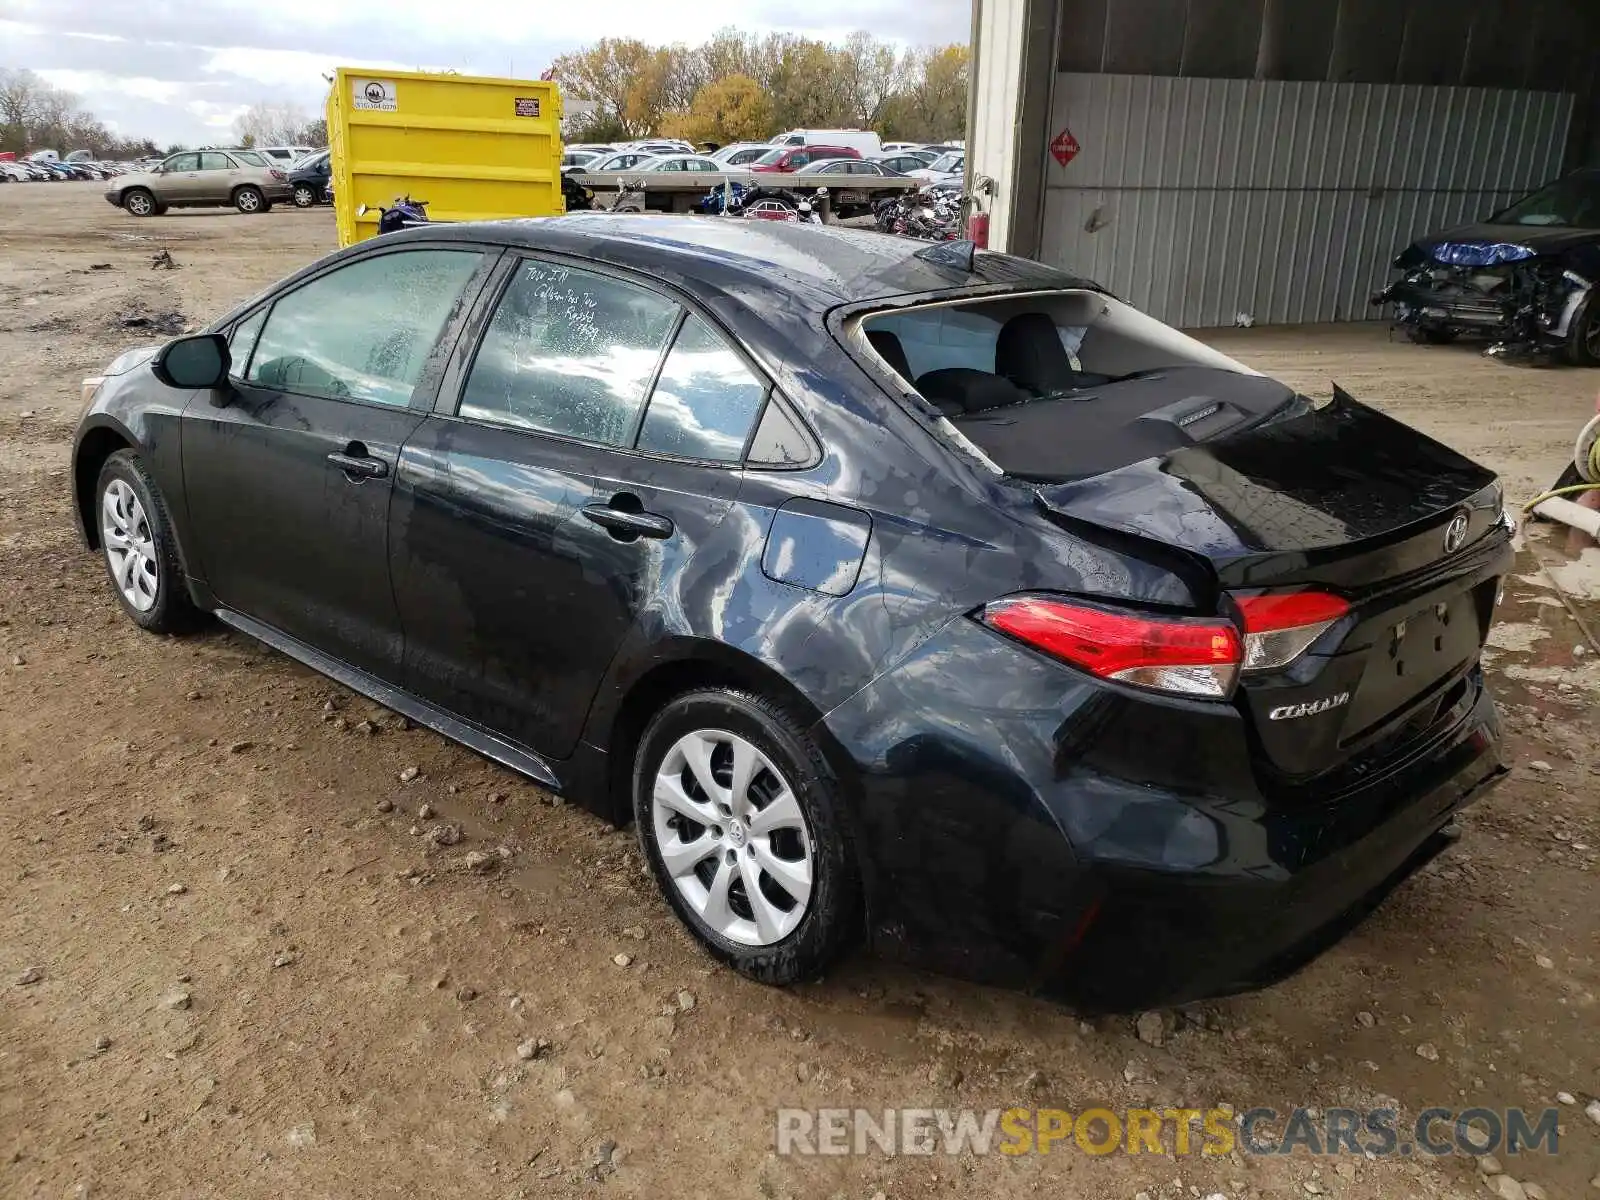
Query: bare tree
(870, 73)
(36, 116)
(270, 124)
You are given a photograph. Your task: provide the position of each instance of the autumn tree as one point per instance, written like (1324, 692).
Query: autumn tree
(639, 90)
(622, 76)
(732, 109)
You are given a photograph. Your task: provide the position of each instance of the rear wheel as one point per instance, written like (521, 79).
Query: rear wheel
(1583, 339)
(137, 544)
(138, 202)
(249, 200)
(740, 819)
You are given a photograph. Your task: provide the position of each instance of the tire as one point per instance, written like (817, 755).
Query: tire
(1583, 341)
(249, 200)
(305, 196)
(1431, 335)
(129, 506)
(810, 838)
(139, 202)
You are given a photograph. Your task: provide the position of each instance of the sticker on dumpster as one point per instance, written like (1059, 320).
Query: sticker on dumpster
(527, 106)
(374, 95)
(1065, 147)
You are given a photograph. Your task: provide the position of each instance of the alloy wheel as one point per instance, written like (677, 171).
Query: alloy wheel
(732, 837)
(130, 548)
(247, 201)
(304, 197)
(139, 204)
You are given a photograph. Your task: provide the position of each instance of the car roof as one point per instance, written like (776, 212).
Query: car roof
(819, 267)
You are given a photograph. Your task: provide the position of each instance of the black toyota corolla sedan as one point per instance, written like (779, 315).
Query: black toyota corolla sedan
(924, 594)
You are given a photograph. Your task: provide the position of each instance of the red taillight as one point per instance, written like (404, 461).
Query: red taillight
(1170, 654)
(1279, 626)
(279, 175)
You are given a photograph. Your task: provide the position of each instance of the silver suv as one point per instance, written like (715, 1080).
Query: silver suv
(198, 178)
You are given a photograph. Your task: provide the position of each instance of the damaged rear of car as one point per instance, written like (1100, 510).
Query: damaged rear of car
(1219, 679)
(1525, 278)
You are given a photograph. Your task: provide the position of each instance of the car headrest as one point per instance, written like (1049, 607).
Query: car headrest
(958, 391)
(891, 351)
(1030, 354)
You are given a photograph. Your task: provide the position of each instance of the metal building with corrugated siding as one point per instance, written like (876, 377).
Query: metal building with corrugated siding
(1211, 158)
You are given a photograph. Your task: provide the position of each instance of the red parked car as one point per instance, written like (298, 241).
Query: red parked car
(792, 158)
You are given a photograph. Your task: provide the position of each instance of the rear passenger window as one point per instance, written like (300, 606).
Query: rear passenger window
(705, 401)
(779, 440)
(569, 352)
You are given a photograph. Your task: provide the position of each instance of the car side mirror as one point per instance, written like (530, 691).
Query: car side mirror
(202, 361)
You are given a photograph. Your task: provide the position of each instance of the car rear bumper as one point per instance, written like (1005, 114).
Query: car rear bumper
(1116, 852)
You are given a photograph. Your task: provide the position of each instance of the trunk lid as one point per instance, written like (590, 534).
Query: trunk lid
(1341, 499)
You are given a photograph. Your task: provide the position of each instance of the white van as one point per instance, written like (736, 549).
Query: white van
(863, 141)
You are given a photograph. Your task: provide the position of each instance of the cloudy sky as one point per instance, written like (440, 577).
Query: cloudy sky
(181, 71)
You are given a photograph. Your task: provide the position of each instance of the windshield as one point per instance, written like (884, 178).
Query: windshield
(946, 162)
(771, 156)
(1573, 201)
(250, 157)
(1064, 384)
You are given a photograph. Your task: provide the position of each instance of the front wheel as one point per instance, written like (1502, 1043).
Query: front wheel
(140, 552)
(138, 202)
(304, 196)
(249, 200)
(742, 823)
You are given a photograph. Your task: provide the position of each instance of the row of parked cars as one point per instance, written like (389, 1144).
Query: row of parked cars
(49, 170)
(821, 151)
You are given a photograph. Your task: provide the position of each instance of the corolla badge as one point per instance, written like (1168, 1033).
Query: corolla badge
(1455, 533)
(1290, 712)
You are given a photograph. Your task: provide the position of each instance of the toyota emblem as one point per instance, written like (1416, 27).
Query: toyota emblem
(1455, 533)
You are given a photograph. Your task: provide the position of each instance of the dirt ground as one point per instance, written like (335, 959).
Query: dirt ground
(259, 977)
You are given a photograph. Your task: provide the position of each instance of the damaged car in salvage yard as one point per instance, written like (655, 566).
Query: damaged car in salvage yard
(1525, 278)
(922, 595)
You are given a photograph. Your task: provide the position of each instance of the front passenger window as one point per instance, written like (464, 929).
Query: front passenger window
(362, 331)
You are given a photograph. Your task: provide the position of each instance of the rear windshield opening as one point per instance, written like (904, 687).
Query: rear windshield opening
(1061, 385)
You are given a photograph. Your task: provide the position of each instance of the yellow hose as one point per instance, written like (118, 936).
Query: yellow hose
(1586, 457)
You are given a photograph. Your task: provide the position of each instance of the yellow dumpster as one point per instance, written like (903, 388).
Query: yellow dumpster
(475, 149)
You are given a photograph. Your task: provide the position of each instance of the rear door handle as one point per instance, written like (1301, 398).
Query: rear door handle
(357, 463)
(626, 526)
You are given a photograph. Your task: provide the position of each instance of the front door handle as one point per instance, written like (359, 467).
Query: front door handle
(624, 524)
(355, 462)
